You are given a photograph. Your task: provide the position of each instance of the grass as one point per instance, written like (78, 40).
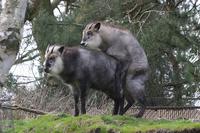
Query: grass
(85, 123)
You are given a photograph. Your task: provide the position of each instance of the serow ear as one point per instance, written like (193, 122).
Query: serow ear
(48, 46)
(97, 26)
(61, 49)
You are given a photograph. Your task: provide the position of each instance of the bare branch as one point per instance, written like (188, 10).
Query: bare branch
(178, 3)
(173, 84)
(55, 3)
(28, 59)
(32, 81)
(27, 56)
(17, 107)
(67, 24)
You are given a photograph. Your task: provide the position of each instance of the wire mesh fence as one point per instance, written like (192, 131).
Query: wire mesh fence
(6, 116)
(170, 112)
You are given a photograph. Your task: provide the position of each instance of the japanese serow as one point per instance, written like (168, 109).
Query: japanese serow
(83, 69)
(120, 44)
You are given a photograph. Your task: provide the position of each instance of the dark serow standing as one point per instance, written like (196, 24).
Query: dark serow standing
(83, 69)
(120, 44)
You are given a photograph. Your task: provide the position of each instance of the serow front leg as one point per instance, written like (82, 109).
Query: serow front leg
(83, 87)
(76, 99)
(116, 107)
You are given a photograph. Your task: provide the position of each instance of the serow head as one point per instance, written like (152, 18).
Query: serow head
(91, 37)
(53, 63)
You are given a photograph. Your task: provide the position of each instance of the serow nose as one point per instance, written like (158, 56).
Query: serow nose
(46, 70)
(82, 44)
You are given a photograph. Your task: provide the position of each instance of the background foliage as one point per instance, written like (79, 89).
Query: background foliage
(167, 29)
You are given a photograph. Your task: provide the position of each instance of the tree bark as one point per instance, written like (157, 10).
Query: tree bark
(0, 6)
(12, 19)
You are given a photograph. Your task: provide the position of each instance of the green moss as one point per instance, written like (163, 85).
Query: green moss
(104, 123)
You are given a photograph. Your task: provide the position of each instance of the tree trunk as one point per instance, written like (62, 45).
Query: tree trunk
(12, 19)
(0, 6)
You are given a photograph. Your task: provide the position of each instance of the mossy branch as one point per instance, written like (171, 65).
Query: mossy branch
(17, 107)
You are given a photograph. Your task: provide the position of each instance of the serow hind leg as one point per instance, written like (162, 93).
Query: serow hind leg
(120, 84)
(128, 105)
(136, 90)
(142, 102)
(118, 90)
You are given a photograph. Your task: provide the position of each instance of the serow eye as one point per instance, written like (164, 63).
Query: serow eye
(89, 33)
(51, 60)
